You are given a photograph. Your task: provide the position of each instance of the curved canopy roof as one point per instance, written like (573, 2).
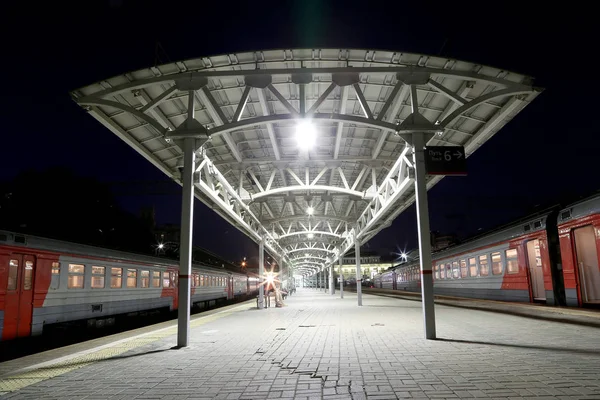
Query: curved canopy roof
(308, 204)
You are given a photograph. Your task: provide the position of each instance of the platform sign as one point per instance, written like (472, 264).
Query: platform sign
(445, 160)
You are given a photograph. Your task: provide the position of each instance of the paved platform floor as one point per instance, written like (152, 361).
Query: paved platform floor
(323, 347)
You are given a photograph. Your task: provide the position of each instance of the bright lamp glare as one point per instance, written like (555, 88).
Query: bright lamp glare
(160, 246)
(306, 134)
(310, 210)
(310, 235)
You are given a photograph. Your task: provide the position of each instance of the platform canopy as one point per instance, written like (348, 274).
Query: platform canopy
(308, 202)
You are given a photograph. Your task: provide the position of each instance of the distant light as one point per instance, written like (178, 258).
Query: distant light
(310, 210)
(306, 254)
(310, 235)
(306, 134)
(161, 246)
(243, 263)
(404, 255)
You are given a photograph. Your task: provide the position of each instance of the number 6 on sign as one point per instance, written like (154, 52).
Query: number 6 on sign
(445, 160)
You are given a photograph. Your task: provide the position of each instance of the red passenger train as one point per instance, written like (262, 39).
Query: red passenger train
(551, 258)
(45, 281)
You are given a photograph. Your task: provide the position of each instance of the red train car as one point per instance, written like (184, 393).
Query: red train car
(579, 232)
(45, 281)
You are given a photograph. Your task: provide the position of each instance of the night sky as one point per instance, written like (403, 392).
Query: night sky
(549, 151)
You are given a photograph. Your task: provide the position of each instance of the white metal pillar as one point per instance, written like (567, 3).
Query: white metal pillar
(261, 274)
(424, 235)
(331, 282)
(341, 278)
(358, 273)
(185, 247)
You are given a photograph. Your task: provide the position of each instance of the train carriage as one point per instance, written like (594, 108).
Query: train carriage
(45, 281)
(579, 233)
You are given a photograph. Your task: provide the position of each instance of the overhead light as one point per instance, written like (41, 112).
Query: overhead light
(306, 254)
(310, 210)
(310, 235)
(160, 245)
(306, 134)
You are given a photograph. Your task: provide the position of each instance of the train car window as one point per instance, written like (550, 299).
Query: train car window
(116, 278)
(145, 274)
(76, 276)
(455, 269)
(448, 271)
(172, 279)
(442, 271)
(13, 275)
(463, 268)
(98, 277)
(155, 278)
(484, 268)
(55, 280)
(196, 280)
(28, 276)
(166, 280)
(437, 271)
(496, 263)
(473, 267)
(131, 278)
(512, 262)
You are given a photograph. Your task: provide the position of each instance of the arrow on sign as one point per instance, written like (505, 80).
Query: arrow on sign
(458, 154)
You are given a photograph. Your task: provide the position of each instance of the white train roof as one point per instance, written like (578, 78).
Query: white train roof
(355, 180)
(60, 246)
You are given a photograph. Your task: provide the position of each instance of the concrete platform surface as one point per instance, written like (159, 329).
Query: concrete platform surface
(323, 347)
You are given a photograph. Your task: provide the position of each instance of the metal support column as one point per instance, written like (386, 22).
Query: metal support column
(358, 272)
(185, 247)
(331, 283)
(341, 278)
(261, 274)
(424, 235)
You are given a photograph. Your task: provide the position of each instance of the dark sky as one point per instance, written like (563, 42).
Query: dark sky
(548, 151)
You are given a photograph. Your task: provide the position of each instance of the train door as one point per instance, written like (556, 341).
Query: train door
(536, 273)
(19, 296)
(586, 255)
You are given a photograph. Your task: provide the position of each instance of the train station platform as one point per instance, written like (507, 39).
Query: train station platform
(322, 347)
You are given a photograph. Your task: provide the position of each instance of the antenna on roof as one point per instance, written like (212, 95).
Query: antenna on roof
(160, 54)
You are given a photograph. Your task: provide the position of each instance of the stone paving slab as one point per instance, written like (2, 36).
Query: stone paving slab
(323, 347)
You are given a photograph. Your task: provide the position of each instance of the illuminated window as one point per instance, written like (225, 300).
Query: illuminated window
(455, 269)
(166, 280)
(55, 282)
(448, 271)
(28, 276)
(145, 275)
(196, 280)
(13, 275)
(463, 268)
(131, 278)
(116, 278)
(496, 263)
(98, 277)
(473, 267)
(442, 271)
(512, 263)
(437, 271)
(484, 268)
(76, 276)
(155, 279)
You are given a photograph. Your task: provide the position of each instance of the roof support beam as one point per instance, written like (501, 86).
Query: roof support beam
(447, 92)
(159, 99)
(321, 99)
(265, 110)
(242, 104)
(362, 101)
(283, 101)
(340, 126)
(219, 118)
